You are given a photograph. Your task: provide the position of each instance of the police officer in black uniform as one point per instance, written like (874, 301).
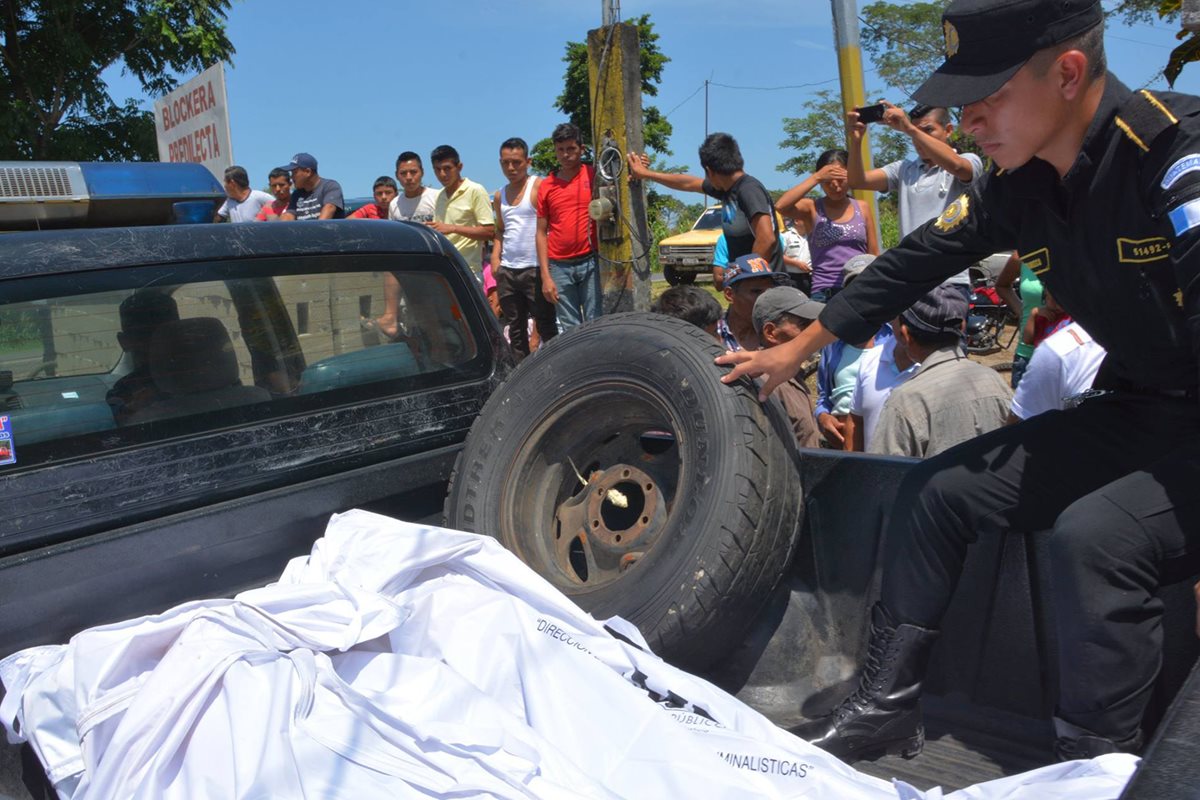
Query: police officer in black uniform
(1098, 189)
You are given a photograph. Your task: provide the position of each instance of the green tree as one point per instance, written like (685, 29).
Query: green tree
(905, 42)
(54, 103)
(823, 127)
(575, 99)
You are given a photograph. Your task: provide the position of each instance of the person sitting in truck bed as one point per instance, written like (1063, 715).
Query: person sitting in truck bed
(142, 313)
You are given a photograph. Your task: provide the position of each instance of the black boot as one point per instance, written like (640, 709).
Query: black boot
(1073, 742)
(883, 716)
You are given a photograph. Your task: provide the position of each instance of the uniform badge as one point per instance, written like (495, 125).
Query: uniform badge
(951, 34)
(1038, 261)
(955, 214)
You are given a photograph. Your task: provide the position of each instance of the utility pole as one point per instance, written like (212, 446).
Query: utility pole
(615, 87)
(854, 91)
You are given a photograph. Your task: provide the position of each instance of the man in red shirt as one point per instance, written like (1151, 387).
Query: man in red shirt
(385, 192)
(280, 183)
(566, 249)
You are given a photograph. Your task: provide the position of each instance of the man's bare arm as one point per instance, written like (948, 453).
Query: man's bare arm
(765, 238)
(856, 176)
(681, 183)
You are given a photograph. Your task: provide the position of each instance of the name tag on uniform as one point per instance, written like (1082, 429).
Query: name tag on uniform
(1142, 251)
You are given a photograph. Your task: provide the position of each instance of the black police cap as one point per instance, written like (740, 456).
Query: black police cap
(987, 41)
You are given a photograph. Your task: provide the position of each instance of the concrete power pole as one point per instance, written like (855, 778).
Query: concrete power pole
(850, 70)
(615, 86)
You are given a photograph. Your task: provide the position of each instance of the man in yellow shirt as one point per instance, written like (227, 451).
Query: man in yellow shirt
(463, 212)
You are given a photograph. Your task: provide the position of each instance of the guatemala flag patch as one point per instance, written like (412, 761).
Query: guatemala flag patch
(1186, 216)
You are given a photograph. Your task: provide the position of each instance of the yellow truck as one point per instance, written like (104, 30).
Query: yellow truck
(686, 255)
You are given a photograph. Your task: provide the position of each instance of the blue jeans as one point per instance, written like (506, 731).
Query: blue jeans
(579, 296)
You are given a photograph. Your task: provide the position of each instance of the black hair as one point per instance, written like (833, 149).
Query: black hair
(144, 310)
(515, 143)
(567, 132)
(238, 176)
(409, 155)
(385, 180)
(444, 152)
(833, 156)
(279, 173)
(720, 153)
(690, 304)
(1090, 43)
(940, 115)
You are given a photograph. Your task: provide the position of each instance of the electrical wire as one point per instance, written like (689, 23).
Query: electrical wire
(678, 106)
(773, 88)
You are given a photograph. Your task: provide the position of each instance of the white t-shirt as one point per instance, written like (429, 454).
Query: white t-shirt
(923, 191)
(245, 210)
(877, 376)
(416, 209)
(1062, 366)
(795, 246)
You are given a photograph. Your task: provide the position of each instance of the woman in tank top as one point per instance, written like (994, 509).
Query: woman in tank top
(839, 226)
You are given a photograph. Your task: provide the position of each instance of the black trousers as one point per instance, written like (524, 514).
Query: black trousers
(1117, 483)
(520, 292)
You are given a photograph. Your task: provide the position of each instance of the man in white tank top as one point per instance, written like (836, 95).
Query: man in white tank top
(514, 252)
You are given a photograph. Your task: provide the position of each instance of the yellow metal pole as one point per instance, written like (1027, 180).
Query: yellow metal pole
(850, 71)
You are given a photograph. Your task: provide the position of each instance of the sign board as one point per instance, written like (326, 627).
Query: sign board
(192, 122)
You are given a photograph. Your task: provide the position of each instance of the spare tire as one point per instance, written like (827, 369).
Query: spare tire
(689, 504)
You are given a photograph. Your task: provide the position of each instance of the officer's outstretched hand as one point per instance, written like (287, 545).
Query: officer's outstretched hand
(773, 365)
(776, 365)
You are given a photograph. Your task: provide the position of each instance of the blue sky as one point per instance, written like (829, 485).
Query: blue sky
(355, 85)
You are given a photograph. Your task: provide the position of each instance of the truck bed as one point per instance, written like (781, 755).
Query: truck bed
(965, 745)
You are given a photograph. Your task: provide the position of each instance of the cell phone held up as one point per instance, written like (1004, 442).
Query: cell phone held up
(869, 114)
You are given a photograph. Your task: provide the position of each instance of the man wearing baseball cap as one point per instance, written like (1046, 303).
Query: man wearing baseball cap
(1098, 189)
(780, 315)
(745, 279)
(950, 398)
(314, 197)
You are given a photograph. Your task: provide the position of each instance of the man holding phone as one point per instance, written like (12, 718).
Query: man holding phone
(924, 185)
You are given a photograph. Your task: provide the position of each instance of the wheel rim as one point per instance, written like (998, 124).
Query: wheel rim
(585, 536)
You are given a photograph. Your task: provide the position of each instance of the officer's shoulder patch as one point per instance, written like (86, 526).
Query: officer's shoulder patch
(1189, 163)
(1143, 117)
(955, 214)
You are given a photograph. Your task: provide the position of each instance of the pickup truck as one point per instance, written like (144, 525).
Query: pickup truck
(612, 461)
(688, 254)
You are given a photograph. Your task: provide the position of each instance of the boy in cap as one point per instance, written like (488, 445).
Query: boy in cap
(314, 197)
(1098, 189)
(780, 315)
(950, 398)
(745, 279)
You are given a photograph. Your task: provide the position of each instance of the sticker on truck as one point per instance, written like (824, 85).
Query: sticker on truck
(8, 451)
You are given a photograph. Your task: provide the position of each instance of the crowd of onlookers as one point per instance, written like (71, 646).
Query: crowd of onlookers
(531, 241)
(909, 390)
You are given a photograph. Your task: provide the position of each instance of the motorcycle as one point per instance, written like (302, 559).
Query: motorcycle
(987, 316)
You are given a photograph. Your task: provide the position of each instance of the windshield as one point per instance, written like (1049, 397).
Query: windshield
(709, 220)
